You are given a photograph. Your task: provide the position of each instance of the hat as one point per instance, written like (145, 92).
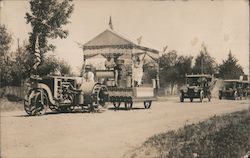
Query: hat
(88, 67)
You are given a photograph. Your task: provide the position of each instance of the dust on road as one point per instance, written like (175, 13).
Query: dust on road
(100, 135)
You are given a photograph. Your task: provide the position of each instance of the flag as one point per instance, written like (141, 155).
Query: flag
(37, 55)
(139, 40)
(165, 48)
(110, 23)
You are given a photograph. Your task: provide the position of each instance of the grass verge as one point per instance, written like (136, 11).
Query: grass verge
(226, 136)
(7, 105)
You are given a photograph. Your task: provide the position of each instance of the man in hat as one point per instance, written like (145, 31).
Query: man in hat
(88, 76)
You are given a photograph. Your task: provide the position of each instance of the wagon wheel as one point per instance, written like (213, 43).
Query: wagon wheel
(41, 103)
(116, 104)
(147, 104)
(128, 105)
(181, 97)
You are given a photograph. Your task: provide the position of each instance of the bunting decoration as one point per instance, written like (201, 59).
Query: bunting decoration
(37, 55)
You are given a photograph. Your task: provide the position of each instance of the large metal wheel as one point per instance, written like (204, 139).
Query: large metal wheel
(27, 107)
(147, 104)
(41, 103)
(100, 96)
(128, 105)
(116, 104)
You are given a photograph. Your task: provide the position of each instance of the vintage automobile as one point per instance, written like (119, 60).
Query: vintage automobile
(231, 89)
(197, 86)
(63, 94)
(246, 88)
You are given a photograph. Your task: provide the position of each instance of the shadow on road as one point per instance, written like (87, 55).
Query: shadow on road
(125, 109)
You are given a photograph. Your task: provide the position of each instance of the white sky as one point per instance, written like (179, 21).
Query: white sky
(182, 25)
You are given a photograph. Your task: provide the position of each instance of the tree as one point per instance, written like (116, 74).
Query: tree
(183, 66)
(229, 69)
(65, 68)
(174, 68)
(5, 62)
(19, 66)
(47, 19)
(54, 66)
(204, 63)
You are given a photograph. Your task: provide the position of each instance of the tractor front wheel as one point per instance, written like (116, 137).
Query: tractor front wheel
(41, 103)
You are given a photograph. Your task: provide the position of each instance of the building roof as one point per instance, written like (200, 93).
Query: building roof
(108, 38)
(112, 39)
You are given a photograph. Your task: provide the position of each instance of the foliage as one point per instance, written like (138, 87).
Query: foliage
(20, 66)
(174, 68)
(204, 63)
(220, 136)
(47, 19)
(65, 68)
(5, 62)
(53, 66)
(150, 71)
(229, 69)
(5, 41)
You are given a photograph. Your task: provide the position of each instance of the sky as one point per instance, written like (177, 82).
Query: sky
(222, 25)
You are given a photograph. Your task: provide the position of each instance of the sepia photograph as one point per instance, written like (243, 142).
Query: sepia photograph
(124, 79)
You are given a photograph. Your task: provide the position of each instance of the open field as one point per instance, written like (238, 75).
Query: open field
(111, 134)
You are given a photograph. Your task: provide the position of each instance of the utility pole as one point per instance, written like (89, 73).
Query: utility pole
(202, 64)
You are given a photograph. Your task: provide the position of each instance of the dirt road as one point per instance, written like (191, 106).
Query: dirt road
(100, 135)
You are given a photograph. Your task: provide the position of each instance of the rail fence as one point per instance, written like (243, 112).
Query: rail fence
(18, 92)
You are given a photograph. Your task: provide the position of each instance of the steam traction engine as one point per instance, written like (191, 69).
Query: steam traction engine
(62, 94)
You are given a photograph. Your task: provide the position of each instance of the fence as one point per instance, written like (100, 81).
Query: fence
(14, 91)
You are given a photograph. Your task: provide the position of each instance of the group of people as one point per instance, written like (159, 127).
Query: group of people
(119, 69)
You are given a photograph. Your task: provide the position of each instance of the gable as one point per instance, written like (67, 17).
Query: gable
(108, 38)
